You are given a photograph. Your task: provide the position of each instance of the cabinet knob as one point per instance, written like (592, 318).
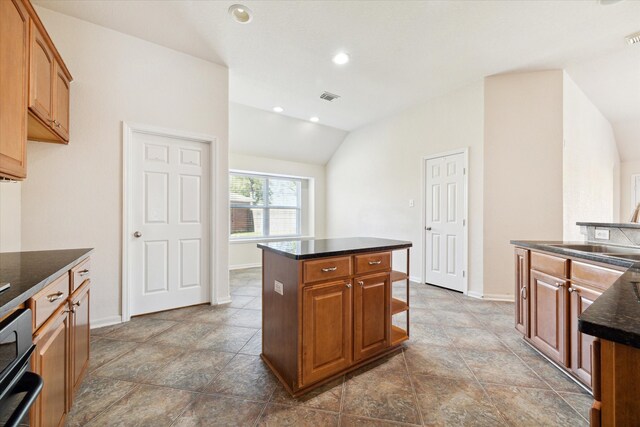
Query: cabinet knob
(360, 282)
(523, 293)
(348, 285)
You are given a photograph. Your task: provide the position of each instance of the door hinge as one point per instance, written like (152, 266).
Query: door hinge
(464, 273)
(464, 171)
(464, 222)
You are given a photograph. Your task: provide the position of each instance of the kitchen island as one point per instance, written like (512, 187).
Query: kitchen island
(327, 307)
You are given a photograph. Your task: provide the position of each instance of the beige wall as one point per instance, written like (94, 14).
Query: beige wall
(73, 196)
(627, 169)
(591, 164)
(378, 169)
(10, 216)
(523, 169)
(247, 254)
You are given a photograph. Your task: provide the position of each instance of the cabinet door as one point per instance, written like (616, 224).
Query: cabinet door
(371, 315)
(79, 336)
(41, 77)
(326, 330)
(14, 34)
(51, 362)
(581, 344)
(548, 315)
(61, 103)
(522, 290)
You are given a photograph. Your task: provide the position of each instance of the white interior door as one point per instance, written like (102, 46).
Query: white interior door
(445, 221)
(169, 223)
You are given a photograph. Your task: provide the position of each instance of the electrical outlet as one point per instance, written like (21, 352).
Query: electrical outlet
(602, 234)
(411, 203)
(278, 287)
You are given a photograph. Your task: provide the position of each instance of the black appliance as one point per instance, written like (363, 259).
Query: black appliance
(19, 388)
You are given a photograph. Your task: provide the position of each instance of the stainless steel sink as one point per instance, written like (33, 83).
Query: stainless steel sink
(600, 249)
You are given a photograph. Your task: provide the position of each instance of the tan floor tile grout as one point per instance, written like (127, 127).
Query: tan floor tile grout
(413, 389)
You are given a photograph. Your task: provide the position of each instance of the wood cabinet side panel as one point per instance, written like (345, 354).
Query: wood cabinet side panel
(280, 315)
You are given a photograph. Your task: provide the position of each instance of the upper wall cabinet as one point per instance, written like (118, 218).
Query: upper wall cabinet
(34, 82)
(14, 52)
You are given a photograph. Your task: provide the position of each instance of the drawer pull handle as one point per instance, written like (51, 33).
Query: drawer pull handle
(83, 272)
(328, 269)
(375, 262)
(55, 297)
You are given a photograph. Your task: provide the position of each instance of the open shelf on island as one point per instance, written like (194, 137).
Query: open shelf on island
(398, 335)
(398, 306)
(397, 276)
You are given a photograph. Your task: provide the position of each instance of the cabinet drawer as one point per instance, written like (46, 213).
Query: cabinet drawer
(370, 263)
(326, 269)
(80, 273)
(593, 275)
(553, 265)
(47, 301)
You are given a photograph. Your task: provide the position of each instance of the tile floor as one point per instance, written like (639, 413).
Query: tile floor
(200, 366)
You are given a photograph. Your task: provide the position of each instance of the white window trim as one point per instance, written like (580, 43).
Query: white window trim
(236, 240)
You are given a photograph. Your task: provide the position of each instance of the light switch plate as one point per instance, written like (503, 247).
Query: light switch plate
(602, 234)
(278, 287)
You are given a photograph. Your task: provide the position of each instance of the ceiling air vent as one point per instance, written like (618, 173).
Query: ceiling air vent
(328, 96)
(633, 38)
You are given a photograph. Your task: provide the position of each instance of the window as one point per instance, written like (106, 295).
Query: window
(264, 206)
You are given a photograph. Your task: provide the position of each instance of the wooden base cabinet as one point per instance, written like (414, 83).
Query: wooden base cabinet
(372, 319)
(80, 336)
(581, 344)
(548, 315)
(51, 362)
(551, 293)
(62, 345)
(326, 330)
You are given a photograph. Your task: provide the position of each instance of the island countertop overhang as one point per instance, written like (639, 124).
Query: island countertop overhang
(303, 249)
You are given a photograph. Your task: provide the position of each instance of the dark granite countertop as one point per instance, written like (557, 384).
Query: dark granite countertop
(317, 248)
(29, 272)
(610, 224)
(615, 315)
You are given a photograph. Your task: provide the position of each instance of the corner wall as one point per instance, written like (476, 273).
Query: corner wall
(378, 169)
(10, 216)
(627, 169)
(73, 196)
(523, 195)
(591, 164)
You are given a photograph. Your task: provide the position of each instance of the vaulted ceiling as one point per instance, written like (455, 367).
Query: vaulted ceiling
(402, 52)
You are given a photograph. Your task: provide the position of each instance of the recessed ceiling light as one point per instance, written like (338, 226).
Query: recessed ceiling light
(341, 58)
(240, 13)
(278, 109)
(314, 119)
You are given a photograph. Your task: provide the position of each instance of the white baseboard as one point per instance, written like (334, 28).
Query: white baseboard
(105, 321)
(242, 266)
(475, 294)
(415, 279)
(223, 300)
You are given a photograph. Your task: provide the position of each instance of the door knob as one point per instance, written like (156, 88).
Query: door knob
(137, 234)
(428, 228)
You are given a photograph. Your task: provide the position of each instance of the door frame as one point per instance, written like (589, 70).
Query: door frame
(634, 202)
(128, 129)
(465, 235)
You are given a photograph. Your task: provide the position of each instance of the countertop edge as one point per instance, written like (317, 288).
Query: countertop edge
(610, 224)
(334, 253)
(23, 297)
